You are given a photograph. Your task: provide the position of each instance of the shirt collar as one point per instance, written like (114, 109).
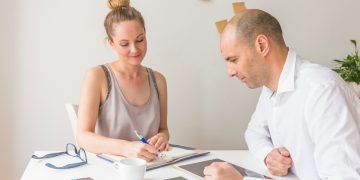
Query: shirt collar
(287, 77)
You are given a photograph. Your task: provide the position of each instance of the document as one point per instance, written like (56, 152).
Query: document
(175, 154)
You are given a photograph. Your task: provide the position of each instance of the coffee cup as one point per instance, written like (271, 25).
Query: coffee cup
(131, 168)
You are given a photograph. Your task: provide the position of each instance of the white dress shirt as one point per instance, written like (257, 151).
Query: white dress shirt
(315, 115)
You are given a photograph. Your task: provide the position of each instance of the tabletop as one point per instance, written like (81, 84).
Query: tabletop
(100, 169)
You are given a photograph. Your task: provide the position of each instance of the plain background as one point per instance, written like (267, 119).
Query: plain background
(46, 47)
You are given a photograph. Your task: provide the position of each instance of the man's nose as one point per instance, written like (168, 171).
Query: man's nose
(231, 72)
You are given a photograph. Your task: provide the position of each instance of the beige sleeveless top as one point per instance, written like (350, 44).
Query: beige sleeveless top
(118, 119)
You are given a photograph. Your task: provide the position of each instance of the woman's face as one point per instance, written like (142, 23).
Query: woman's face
(129, 41)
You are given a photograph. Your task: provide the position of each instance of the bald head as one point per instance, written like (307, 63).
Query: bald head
(250, 23)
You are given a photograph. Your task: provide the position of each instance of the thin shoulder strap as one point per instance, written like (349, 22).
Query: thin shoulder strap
(108, 79)
(151, 72)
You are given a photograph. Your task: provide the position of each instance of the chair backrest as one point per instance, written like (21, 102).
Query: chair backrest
(72, 110)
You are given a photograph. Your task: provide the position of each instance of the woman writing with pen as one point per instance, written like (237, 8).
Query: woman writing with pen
(123, 96)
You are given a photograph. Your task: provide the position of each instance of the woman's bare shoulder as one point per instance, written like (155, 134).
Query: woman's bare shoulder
(159, 77)
(95, 73)
(95, 76)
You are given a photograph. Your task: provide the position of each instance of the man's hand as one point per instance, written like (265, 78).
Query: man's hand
(221, 171)
(278, 161)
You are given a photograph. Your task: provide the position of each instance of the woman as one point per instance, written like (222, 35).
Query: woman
(123, 96)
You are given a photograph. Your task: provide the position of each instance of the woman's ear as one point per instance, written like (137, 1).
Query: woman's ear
(110, 42)
(262, 45)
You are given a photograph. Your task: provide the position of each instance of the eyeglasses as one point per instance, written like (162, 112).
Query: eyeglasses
(71, 150)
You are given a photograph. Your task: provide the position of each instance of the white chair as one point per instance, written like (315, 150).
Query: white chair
(72, 110)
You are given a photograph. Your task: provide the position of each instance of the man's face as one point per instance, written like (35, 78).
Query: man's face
(242, 61)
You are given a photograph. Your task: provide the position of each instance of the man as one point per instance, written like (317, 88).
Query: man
(307, 118)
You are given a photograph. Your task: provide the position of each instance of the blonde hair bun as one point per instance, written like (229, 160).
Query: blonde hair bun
(115, 4)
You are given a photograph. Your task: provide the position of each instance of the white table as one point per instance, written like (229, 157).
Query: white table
(100, 169)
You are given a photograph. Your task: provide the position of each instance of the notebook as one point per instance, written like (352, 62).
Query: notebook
(175, 154)
(197, 169)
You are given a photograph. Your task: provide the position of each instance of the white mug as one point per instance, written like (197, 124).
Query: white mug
(131, 168)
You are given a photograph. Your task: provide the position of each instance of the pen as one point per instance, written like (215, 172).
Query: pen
(141, 137)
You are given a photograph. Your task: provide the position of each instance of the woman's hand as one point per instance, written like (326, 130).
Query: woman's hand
(159, 141)
(141, 150)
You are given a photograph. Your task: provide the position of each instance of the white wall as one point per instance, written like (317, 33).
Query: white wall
(6, 85)
(57, 41)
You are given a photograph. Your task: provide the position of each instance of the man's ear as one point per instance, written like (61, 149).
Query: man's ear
(262, 45)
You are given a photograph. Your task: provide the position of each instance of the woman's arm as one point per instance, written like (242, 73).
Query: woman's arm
(160, 140)
(90, 98)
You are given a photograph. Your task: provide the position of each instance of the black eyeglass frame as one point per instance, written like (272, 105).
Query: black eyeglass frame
(68, 166)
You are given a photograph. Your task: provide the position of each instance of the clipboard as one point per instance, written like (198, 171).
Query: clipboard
(197, 169)
(177, 154)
